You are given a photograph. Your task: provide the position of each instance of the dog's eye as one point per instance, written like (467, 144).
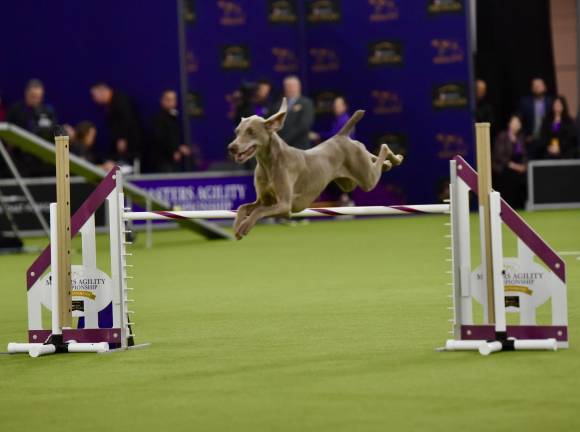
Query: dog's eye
(251, 132)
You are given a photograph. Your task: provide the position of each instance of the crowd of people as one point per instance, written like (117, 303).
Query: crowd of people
(163, 149)
(541, 128)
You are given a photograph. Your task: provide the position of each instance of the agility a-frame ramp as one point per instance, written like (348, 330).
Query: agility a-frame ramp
(44, 150)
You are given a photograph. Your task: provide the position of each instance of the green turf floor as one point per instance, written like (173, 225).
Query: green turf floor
(329, 326)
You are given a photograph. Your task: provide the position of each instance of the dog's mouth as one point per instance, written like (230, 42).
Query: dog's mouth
(246, 154)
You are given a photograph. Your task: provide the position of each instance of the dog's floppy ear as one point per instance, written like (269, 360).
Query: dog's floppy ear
(276, 122)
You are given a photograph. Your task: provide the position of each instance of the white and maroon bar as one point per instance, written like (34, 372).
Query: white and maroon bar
(311, 212)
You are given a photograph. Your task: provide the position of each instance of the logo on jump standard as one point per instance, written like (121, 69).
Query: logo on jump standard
(283, 12)
(451, 95)
(444, 6)
(324, 60)
(286, 60)
(385, 53)
(447, 51)
(383, 10)
(236, 57)
(232, 13)
(386, 102)
(323, 11)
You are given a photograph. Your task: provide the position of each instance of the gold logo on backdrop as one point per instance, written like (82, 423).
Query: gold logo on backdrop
(452, 95)
(232, 13)
(396, 141)
(194, 104)
(444, 6)
(324, 60)
(232, 99)
(383, 10)
(236, 57)
(191, 62)
(189, 11)
(447, 51)
(450, 145)
(286, 60)
(324, 101)
(283, 12)
(386, 102)
(323, 11)
(385, 53)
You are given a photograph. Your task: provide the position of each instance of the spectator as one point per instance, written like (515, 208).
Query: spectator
(84, 142)
(341, 116)
(122, 122)
(558, 139)
(300, 115)
(484, 110)
(263, 98)
(32, 113)
(254, 99)
(534, 108)
(168, 149)
(509, 163)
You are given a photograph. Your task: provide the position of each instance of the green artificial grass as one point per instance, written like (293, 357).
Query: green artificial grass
(329, 326)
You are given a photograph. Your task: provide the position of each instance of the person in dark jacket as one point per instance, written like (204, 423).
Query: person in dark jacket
(122, 122)
(300, 117)
(509, 164)
(168, 149)
(83, 143)
(558, 137)
(533, 109)
(32, 113)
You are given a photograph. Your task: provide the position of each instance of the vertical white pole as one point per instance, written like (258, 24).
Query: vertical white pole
(149, 224)
(54, 299)
(497, 261)
(89, 243)
(116, 233)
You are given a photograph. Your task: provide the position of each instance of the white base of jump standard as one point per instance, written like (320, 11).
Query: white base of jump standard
(488, 347)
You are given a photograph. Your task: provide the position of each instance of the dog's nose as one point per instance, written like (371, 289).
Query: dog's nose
(233, 148)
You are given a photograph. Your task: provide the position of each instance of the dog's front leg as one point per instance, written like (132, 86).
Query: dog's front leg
(282, 207)
(243, 211)
(278, 209)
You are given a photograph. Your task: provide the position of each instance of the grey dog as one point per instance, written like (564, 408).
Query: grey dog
(288, 179)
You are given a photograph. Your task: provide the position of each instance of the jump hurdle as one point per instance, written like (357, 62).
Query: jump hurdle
(499, 285)
(98, 300)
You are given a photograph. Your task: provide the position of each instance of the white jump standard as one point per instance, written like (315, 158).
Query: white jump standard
(99, 301)
(500, 285)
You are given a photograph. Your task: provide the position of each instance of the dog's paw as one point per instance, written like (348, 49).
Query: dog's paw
(244, 228)
(387, 166)
(397, 159)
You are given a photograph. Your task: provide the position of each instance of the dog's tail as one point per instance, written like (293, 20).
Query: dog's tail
(347, 128)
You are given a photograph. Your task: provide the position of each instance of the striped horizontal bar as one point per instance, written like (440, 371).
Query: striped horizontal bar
(311, 212)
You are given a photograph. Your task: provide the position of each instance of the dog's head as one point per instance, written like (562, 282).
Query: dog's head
(254, 133)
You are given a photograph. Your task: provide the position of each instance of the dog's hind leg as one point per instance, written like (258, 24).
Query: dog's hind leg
(392, 158)
(363, 169)
(345, 184)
